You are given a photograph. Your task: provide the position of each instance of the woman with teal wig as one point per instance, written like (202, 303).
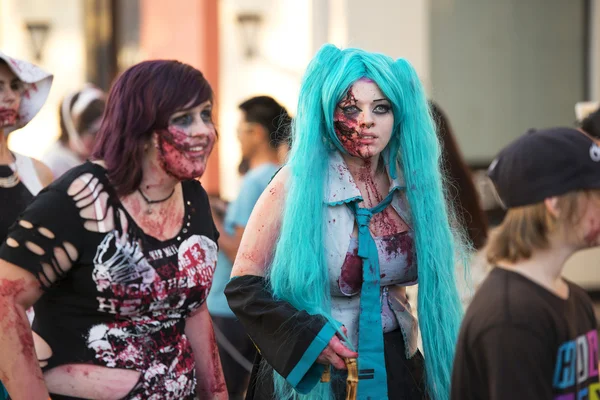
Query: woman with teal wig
(356, 215)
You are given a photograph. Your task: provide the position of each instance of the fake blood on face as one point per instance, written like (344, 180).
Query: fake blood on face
(8, 117)
(347, 126)
(184, 155)
(591, 238)
(356, 128)
(346, 130)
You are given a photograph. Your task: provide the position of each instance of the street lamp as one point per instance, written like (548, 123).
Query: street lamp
(38, 32)
(249, 24)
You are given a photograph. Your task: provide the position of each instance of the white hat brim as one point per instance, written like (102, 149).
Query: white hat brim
(37, 87)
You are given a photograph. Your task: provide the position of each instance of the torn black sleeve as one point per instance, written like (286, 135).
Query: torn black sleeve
(49, 226)
(288, 339)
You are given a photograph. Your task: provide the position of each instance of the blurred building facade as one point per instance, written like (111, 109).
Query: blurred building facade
(496, 67)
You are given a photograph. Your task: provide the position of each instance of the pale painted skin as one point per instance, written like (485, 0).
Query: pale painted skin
(373, 125)
(364, 121)
(11, 94)
(184, 148)
(365, 116)
(184, 155)
(178, 154)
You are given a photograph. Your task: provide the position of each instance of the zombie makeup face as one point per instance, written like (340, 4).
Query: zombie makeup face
(588, 225)
(11, 91)
(183, 148)
(363, 120)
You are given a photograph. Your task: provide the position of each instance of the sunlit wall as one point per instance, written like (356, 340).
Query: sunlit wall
(63, 55)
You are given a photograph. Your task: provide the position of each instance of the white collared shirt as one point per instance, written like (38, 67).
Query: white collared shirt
(339, 190)
(339, 220)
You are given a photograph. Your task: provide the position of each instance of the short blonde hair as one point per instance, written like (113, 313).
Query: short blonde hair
(526, 228)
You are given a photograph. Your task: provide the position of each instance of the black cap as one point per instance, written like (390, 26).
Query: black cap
(545, 163)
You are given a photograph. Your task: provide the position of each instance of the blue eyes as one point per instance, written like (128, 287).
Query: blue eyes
(382, 109)
(379, 109)
(349, 110)
(186, 120)
(206, 115)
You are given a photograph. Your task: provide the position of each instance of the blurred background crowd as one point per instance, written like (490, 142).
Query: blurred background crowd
(494, 69)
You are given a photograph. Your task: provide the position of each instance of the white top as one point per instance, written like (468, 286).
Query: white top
(25, 168)
(339, 223)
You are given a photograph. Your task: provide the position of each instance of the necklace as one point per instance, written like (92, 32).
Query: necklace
(11, 180)
(150, 202)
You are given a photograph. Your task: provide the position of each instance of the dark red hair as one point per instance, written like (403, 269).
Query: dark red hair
(461, 186)
(140, 102)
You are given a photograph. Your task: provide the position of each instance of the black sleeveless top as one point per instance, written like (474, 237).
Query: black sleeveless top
(124, 301)
(12, 202)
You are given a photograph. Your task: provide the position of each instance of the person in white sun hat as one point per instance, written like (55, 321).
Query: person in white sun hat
(23, 91)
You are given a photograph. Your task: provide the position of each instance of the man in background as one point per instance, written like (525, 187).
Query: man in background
(262, 131)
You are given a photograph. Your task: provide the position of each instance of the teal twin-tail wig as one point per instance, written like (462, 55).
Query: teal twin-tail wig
(299, 273)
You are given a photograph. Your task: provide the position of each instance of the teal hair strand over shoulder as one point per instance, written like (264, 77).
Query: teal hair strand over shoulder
(299, 272)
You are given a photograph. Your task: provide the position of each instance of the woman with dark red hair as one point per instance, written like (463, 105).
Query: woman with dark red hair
(118, 255)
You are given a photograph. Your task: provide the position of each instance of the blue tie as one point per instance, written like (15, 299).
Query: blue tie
(372, 377)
